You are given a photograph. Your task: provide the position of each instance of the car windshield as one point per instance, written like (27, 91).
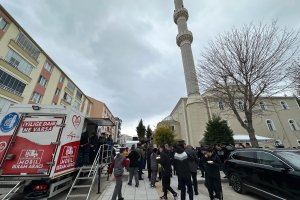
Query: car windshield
(291, 156)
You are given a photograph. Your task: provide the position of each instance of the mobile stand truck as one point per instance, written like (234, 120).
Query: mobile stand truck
(39, 147)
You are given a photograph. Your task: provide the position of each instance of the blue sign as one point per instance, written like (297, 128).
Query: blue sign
(9, 122)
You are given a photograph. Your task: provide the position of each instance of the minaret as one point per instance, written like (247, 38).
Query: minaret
(195, 112)
(184, 40)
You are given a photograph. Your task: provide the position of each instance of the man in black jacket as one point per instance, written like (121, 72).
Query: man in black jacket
(193, 165)
(148, 158)
(166, 172)
(181, 160)
(133, 166)
(212, 164)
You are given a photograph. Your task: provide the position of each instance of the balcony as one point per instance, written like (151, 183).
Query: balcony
(13, 94)
(14, 70)
(19, 49)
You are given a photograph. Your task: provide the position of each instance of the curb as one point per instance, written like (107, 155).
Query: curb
(223, 180)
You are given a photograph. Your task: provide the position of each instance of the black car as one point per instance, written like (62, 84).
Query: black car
(273, 174)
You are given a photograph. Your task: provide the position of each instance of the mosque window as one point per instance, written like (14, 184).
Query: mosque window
(262, 106)
(270, 125)
(241, 105)
(221, 105)
(284, 105)
(293, 125)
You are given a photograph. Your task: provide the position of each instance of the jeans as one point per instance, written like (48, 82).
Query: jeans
(166, 182)
(186, 182)
(133, 171)
(195, 183)
(118, 189)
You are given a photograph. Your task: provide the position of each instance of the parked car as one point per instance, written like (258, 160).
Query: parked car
(273, 174)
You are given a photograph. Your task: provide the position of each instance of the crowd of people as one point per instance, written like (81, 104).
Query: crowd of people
(89, 146)
(179, 160)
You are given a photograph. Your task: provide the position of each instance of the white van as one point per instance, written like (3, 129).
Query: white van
(130, 143)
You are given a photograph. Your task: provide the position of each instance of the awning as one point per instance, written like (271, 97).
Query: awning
(245, 138)
(101, 121)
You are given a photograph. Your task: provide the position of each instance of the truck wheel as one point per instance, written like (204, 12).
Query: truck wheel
(236, 183)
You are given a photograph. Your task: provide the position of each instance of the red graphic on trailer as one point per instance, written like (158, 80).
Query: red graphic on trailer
(3, 145)
(76, 121)
(67, 156)
(30, 159)
(34, 146)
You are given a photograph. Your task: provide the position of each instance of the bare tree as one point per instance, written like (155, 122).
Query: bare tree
(296, 78)
(245, 64)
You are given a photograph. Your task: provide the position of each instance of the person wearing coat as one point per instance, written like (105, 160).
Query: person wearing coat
(212, 165)
(181, 159)
(153, 166)
(133, 166)
(117, 167)
(166, 173)
(193, 166)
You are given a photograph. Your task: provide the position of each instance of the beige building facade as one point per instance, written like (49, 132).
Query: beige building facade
(29, 75)
(101, 111)
(274, 117)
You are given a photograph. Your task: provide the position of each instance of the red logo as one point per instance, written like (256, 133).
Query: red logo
(76, 121)
(3, 145)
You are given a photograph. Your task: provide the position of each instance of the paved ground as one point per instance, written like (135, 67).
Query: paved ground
(145, 192)
(94, 193)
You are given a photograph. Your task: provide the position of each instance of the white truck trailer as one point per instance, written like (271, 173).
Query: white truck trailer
(39, 147)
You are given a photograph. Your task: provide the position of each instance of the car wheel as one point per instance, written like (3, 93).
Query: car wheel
(236, 183)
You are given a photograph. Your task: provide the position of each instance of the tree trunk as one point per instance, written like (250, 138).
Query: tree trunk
(253, 140)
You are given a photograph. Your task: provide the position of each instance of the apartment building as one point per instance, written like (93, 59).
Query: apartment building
(100, 110)
(29, 75)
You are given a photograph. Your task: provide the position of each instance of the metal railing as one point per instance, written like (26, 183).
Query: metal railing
(4, 87)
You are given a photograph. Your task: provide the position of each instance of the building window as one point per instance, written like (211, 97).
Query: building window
(48, 67)
(270, 125)
(221, 105)
(241, 105)
(71, 86)
(262, 106)
(3, 23)
(43, 81)
(245, 122)
(3, 102)
(11, 84)
(298, 142)
(284, 105)
(67, 98)
(78, 94)
(61, 79)
(57, 92)
(36, 97)
(173, 128)
(76, 105)
(26, 44)
(18, 62)
(293, 125)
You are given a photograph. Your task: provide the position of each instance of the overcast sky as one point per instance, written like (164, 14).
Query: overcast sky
(123, 52)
